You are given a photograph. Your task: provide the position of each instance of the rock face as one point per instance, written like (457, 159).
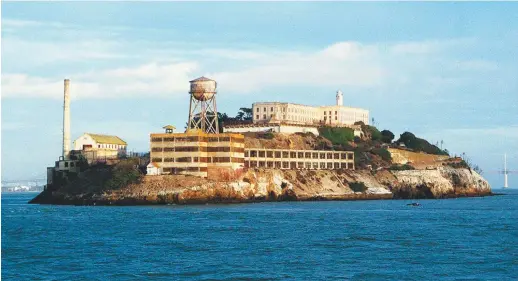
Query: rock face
(442, 182)
(280, 185)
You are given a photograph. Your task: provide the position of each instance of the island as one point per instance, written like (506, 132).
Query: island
(270, 152)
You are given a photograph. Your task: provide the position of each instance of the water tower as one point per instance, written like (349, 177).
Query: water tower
(203, 114)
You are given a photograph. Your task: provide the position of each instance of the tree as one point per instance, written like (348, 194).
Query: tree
(418, 144)
(374, 132)
(222, 118)
(387, 136)
(245, 114)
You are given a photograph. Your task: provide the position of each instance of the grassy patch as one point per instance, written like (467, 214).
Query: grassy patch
(124, 173)
(338, 136)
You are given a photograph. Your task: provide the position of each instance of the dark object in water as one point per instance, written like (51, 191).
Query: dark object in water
(414, 204)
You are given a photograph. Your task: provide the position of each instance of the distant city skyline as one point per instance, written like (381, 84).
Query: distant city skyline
(443, 71)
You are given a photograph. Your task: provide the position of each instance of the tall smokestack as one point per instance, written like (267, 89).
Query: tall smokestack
(66, 120)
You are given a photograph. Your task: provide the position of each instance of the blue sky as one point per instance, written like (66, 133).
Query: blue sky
(444, 71)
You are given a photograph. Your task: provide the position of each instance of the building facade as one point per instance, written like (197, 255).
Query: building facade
(298, 159)
(101, 146)
(338, 114)
(197, 153)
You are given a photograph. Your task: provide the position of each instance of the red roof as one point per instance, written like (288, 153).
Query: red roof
(154, 164)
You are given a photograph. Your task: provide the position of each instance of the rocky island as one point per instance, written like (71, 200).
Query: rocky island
(271, 152)
(382, 172)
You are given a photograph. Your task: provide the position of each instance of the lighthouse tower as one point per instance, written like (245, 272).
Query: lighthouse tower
(339, 98)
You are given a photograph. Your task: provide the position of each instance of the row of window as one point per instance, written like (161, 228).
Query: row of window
(308, 119)
(186, 169)
(291, 110)
(197, 139)
(72, 164)
(199, 149)
(200, 160)
(297, 165)
(301, 155)
(113, 146)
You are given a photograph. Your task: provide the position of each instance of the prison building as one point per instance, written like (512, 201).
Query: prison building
(198, 153)
(298, 159)
(338, 114)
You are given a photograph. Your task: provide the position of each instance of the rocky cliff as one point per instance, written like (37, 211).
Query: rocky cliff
(278, 185)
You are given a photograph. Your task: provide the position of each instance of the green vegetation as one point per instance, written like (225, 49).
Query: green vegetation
(124, 173)
(358, 186)
(387, 136)
(244, 113)
(384, 153)
(268, 135)
(338, 136)
(398, 167)
(417, 144)
(374, 132)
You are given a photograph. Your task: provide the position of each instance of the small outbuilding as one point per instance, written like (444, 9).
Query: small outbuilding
(101, 145)
(153, 169)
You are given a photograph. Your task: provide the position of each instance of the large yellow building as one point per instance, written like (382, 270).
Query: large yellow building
(280, 112)
(197, 153)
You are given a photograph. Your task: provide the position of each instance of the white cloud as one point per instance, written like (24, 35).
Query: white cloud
(163, 69)
(429, 46)
(145, 80)
(344, 63)
(17, 53)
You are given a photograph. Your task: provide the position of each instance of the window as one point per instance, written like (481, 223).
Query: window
(336, 117)
(257, 109)
(98, 146)
(264, 116)
(264, 109)
(271, 108)
(336, 112)
(325, 112)
(66, 164)
(257, 117)
(271, 115)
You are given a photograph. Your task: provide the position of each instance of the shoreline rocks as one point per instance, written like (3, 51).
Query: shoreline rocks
(263, 185)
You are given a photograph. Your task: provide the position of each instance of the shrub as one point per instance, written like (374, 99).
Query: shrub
(417, 144)
(384, 153)
(375, 133)
(337, 135)
(358, 186)
(387, 136)
(398, 167)
(122, 174)
(268, 135)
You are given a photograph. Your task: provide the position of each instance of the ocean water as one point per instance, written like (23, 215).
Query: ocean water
(453, 239)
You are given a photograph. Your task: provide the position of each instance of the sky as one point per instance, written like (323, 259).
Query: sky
(443, 71)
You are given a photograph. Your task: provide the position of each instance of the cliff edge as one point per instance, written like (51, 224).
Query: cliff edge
(260, 185)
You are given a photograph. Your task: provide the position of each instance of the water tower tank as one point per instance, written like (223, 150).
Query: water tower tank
(203, 88)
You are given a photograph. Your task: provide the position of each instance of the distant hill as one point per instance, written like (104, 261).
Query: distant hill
(22, 188)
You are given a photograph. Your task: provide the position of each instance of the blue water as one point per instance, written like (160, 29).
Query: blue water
(454, 239)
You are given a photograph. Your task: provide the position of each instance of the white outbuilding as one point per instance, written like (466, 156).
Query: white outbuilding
(103, 145)
(153, 169)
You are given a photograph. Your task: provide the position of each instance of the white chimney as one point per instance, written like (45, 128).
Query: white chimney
(339, 98)
(66, 121)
